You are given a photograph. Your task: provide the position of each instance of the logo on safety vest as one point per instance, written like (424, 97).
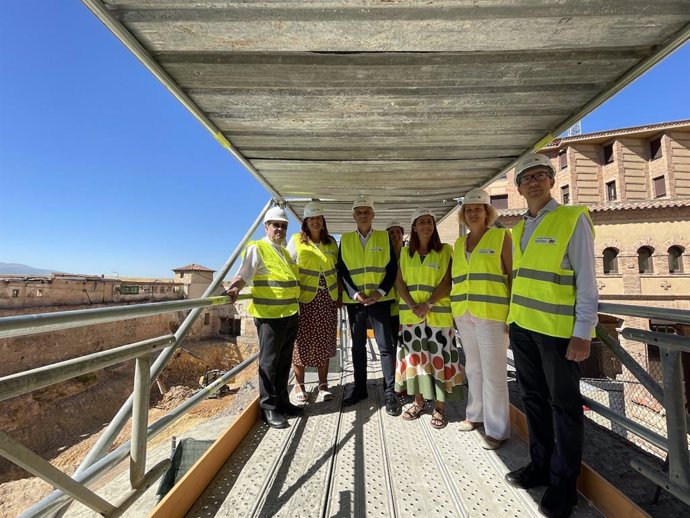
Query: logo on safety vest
(545, 241)
(376, 249)
(433, 265)
(486, 251)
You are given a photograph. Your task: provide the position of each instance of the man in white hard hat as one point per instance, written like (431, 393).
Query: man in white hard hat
(368, 266)
(552, 316)
(275, 292)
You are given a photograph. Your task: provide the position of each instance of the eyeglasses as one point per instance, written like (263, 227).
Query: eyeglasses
(537, 177)
(279, 226)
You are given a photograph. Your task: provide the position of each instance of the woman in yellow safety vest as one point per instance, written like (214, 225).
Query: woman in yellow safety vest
(428, 364)
(316, 253)
(480, 299)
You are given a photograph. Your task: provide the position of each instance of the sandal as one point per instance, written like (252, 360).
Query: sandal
(438, 419)
(301, 396)
(324, 393)
(413, 412)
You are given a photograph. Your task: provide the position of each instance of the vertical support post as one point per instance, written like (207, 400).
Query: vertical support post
(140, 421)
(676, 425)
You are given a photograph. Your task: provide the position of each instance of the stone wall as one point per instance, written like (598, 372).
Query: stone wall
(18, 292)
(29, 352)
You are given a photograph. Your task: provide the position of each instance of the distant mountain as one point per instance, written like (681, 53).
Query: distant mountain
(22, 269)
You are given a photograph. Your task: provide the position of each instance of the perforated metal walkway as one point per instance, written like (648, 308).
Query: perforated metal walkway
(358, 461)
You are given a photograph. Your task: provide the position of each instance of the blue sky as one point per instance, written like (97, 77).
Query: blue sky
(103, 171)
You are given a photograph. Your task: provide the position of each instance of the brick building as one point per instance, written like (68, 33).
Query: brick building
(636, 183)
(23, 295)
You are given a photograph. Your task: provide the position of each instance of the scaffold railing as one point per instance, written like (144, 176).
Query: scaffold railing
(673, 437)
(97, 461)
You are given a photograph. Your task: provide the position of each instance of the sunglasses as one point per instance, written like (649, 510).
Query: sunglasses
(279, 225)
(537, 177)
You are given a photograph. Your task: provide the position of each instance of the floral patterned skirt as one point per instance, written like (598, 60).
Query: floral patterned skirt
(317, 332)
(428, 363)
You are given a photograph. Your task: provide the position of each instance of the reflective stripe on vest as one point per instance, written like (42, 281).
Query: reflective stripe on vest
(480, 286)
(421, 279)
(315, 260)
(276, 294)
(543, 298)
(367, 266)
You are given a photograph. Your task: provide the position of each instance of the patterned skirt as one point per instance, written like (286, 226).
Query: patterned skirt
(317, 333)
(428, 363)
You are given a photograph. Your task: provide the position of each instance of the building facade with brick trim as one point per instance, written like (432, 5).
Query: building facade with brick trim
(636, 183)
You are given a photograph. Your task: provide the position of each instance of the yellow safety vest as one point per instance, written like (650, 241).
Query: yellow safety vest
(543, 295)
(276, 294)
(313, 261)
(421, 279)
(395, 307)
(367, 266)
(480, 286)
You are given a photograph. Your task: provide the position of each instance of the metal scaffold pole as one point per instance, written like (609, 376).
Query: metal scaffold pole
(117, 424)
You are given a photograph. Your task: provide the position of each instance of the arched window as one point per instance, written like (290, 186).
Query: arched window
(610, 260)
(644, 259)
(675, 259)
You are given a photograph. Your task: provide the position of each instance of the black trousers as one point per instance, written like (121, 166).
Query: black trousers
(395, 328)
(379, 315)
(276, 340)
(550, 387)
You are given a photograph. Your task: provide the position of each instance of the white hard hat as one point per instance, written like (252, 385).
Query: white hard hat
(275, 214)
(363, 201)
(312, 209)
(477, 196)
(395, 223)
(530, 161)
(421, 211)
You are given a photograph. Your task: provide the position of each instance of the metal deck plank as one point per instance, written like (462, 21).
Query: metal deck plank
(358, 461)
(301, 483)
(478, 475)
(359, 479)
(416, 481)
(243, 480)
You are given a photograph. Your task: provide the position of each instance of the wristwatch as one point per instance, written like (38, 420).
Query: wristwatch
(429, 305)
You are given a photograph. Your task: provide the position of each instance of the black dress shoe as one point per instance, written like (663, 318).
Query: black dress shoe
(354, 396)
(527, 477)
(275, 419)
(558, 502)
(290, 409)
(393, 406)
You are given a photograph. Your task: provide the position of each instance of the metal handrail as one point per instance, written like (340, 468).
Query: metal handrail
(108, 436)
(22, 325)
(96, 461)
(41, 377)
(57, 499)
(675, 315)
(677, 480)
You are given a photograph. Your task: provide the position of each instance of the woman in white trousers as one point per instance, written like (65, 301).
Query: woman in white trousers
(482, 264)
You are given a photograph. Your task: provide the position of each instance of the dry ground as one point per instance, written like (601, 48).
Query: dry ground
(72, 433)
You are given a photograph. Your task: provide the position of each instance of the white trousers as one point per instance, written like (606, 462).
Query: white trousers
(485, 343)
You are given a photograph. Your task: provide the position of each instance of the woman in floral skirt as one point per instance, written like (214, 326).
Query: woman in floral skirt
(316, 253)
(428, 364)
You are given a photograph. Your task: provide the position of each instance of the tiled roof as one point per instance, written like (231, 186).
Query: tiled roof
(647, 204)
(193, 268)
(620, 131)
